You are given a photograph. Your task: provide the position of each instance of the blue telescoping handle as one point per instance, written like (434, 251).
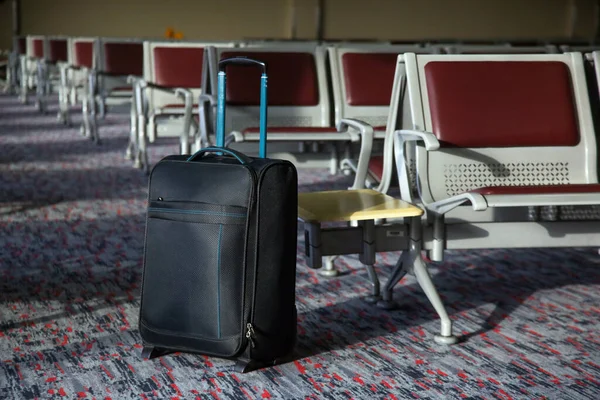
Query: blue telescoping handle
(263, 116)
(221, 85)
(221, 109)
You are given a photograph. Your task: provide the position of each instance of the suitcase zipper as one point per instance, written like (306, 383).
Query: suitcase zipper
(196, 212)
(250, 334)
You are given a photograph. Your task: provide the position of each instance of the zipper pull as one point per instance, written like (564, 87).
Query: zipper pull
(250, 334)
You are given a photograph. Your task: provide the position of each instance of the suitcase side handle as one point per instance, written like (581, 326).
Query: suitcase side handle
(221, 83)
(242, 158)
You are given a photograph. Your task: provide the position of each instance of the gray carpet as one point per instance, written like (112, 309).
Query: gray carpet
(71, 238)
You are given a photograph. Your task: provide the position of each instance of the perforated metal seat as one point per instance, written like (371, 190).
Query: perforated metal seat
(495, 135)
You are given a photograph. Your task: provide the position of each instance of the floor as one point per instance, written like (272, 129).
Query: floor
(72, 216)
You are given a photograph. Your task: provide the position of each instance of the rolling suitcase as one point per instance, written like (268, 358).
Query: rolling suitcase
(220, 251)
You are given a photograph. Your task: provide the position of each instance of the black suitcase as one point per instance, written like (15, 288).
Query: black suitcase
(220, 252)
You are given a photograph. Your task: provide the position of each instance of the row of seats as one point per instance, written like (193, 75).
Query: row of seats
(499, 150)
(489, 138)
(331, 82)
(484, 143)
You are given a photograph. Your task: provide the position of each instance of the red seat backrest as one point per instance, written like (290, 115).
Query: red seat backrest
(501, 103)
(178, 66)
(84, 54)
(124, 58)
(37, 48)
(292, 79)
(22, 42)
(368, 78)
(57, 49)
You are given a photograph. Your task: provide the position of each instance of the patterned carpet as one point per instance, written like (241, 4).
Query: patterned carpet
(71, 238)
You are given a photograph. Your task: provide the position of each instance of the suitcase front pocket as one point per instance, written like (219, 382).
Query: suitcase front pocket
(187, 211)
(194, 271)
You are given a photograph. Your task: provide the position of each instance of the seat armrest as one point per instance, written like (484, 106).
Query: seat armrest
(72, 67)
(441, 207)
(104, 73)
(134, 80)
(185, 94)
(162, 88)
(431, 144)
(203, 112)
(188, 99)
(429, 139)
(207, 98)
(366, 144)
(401, 137)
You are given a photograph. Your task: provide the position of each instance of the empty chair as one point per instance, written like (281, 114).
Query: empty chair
(4, 64)
(593, 81)
(504, 133)
(165, 97)
(362, 79)
(117, 60)
(299, 104)
(492, 136)
(108, 82)
(81, 59)
(13, 71)
(55, 55)
(34, 51)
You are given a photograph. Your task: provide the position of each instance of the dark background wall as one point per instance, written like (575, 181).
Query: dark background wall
(342, 19)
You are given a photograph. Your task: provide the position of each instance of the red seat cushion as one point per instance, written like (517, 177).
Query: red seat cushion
(541, 189)
(22, 43)
(376, 166)
(124, 58)
(292, 79)
(380, 128)
(178, 66)
(369, 78)
(292, 129)
(501, 103)
(84, 54)
(37, 48)
(57, 49)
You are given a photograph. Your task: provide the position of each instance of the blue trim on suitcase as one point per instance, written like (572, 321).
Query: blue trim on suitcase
(263, 116)
(219, 282)
(199, 212)
(221, 109)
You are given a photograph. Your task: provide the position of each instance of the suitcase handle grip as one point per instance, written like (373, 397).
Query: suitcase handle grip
(242, 158)
(221, 83)
(242, 60)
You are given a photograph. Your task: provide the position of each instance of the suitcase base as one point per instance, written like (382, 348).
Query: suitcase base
(244, 366)
(241, 366)
(151, 352)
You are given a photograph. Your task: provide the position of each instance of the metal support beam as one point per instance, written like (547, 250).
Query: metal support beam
(16, 19)
(571, 18)
(293, 20)
(596, 38)
(320, 20)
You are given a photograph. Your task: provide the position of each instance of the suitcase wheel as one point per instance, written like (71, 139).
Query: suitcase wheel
(151, 352)
(243, 366)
